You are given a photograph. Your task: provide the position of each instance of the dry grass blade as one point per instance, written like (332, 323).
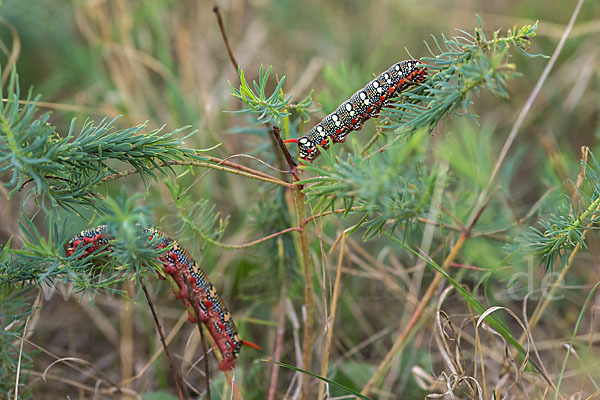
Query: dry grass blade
(12, 54)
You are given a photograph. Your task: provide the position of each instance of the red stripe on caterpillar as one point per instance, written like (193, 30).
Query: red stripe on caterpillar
(204, 298)
(362, 105)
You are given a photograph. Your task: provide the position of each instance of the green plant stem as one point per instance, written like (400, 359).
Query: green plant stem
(593, 207)
(259, 176)
(309, 302)
(10, 136)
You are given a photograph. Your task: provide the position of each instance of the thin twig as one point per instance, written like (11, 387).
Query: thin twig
(63, 107)
(453, 217)
(58, 178)
(288, 157)
(225, 161)
(249, 244)
(18, 373)
(217, 11)
(162, 340)
(278, 154)
(194, 301)
(172, 334)
(100, 378)
(521, 117)
(240, 172)
(14, 52)
(220, 161)
(494, 235)
(328, 212)
(280, 327)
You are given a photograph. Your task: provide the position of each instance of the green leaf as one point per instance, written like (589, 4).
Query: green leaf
(329, 381)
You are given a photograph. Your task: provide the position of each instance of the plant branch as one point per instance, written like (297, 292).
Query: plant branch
(225, 161)
(217, 12)
(275, 130)
(240, 172)
(249, 244)
(309, 301)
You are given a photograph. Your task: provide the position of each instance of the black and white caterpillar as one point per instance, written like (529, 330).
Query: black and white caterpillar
(362, 105)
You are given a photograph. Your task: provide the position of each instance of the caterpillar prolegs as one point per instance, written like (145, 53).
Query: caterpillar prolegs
(362, 105)
(187, 273)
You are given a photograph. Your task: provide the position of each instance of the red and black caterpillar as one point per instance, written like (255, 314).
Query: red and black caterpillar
(181, 266)
(362, 105)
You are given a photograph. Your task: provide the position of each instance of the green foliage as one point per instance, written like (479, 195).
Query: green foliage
(465, 65)
(15, 311)
(198, 221)
(159, 396)
(324, 379)
(561, 233)
(131, 249)
(66, 169)
(44, 261)
(392, 188)
(273, 108)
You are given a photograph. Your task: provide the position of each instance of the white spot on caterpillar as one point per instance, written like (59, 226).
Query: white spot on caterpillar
(362, 95)
(375, 84)
(348, 107)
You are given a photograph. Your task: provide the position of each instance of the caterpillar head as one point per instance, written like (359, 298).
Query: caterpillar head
(307, 150)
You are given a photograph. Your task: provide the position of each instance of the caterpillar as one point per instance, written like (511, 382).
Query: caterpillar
(186, 272)
(362, 105)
